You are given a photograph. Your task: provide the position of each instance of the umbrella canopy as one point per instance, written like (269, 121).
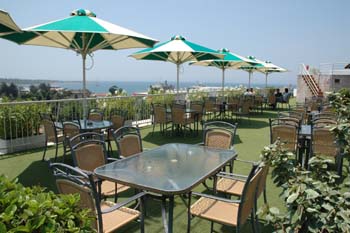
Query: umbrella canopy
(83, 33)
(269, 68)
(178, 50)
(230, 61)
(7, 25)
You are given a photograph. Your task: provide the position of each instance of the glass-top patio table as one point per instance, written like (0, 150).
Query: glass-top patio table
(88, 125)
(169, 170)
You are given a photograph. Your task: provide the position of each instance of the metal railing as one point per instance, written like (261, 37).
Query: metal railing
(20, 127)
(338, 68)
(309, 80)
(20, 123)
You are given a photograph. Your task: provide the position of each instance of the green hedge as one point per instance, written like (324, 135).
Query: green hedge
(24, 209)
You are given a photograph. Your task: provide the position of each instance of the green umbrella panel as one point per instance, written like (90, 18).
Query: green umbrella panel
(178, 50)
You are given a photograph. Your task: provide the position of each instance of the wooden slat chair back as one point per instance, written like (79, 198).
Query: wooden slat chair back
(226, 211)
(51, 134)
(219, 134)
(86, 197)
(287, 133)
(248, 197)
(90, 152)
(199, 108)
(161, 117)
(178, 115)
(128, 140)
(109, 217)
(324, 142)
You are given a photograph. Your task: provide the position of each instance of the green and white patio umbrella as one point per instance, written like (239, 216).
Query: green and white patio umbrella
(178, 50)
(230, 61)
(269, 68)
(7, 25)
(83, 33)
(252, 67)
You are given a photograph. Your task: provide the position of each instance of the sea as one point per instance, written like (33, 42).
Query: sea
(101, 87)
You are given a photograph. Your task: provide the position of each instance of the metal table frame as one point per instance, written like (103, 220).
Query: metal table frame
(121, 172)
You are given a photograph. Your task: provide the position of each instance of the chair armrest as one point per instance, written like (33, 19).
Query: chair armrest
(121, 204)
(247, 161)
(112, 159)
(232, 176)
(216, 198)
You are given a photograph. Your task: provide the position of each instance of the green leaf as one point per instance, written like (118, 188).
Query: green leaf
(2, 228)
(274, 210)
(292, 198)
(311, 194)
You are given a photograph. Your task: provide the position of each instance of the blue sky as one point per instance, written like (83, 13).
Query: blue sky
(285, 32)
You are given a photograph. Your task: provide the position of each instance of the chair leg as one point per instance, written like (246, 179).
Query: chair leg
(265, 196)
(154, 125)
(211, 226)
(43, 159)
(56, 153)
(189, 213)
(252, 217)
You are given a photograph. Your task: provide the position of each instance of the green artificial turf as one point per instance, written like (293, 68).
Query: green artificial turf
(251, 137)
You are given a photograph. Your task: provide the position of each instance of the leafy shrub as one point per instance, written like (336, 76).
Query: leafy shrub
(314, 200)
(340, 101)
(24, 209)
(20, 120)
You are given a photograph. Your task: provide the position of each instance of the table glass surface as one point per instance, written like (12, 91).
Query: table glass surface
(89, 125)
(168, 169)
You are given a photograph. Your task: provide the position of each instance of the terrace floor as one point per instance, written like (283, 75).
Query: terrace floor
(251, 137)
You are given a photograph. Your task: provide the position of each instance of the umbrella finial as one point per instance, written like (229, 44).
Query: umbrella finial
(251, 57)
(82, 12)
(268, 62)
(178, 37)
(224, 50)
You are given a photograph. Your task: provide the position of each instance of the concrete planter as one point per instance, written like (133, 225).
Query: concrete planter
(21, 144)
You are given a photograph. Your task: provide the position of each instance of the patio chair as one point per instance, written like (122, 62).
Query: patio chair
(70, 129)
(294, 114)
(197, 117)
(128, 140)
(226, 211)
(180, 120)
(160, 117)
(210, 109)
(258, 103)
(95, 114)
(322, 122)
(219, 134)
(233, 184)
(289, 120)
(90, 153)
(109, 216)
(288, 134)
(244, 110)
(117, 117)
(324, 142)
(52, 136)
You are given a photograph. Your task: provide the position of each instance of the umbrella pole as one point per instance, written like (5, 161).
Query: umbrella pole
(223, 84)
(250, 74)
(84, 89)
(266, 80)
(177, 77)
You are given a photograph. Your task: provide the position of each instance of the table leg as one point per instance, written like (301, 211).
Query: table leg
(168, 218)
